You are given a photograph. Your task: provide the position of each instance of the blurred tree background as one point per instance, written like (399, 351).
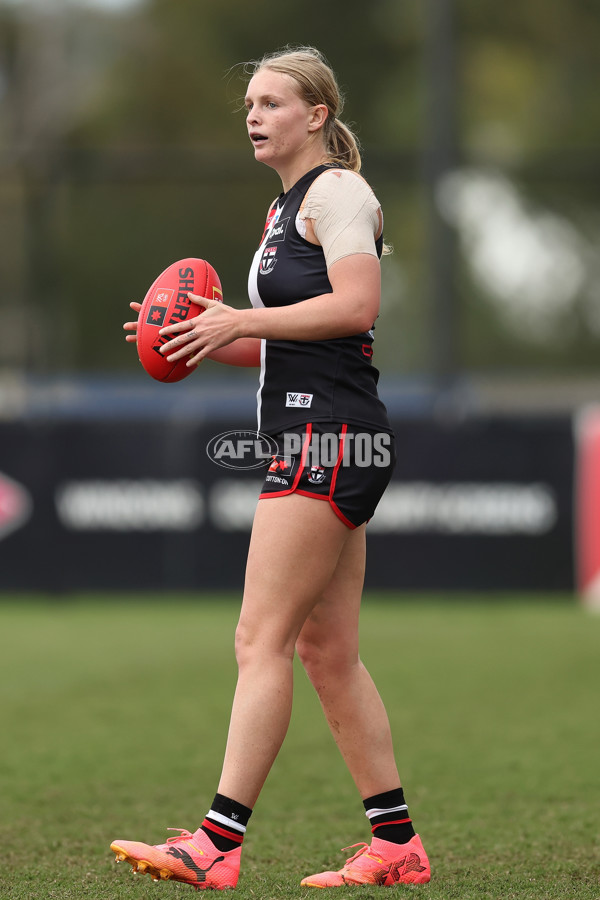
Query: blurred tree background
(123, 147)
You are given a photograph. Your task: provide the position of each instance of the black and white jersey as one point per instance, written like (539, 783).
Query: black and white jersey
(308, 381)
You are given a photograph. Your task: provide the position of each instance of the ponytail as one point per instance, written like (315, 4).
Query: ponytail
(342, 145)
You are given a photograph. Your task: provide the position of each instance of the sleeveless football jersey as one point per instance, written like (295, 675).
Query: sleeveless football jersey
(308, 381)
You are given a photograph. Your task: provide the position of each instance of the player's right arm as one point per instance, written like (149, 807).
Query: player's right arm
(243, 352)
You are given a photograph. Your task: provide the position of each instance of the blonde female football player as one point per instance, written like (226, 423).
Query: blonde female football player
(315, 292)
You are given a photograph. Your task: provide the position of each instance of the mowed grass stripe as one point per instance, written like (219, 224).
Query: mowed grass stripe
(114, 719)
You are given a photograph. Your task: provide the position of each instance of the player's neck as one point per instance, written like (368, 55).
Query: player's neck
(293, 172)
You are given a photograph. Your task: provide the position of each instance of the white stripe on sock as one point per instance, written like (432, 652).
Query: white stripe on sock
(371, 813)
(223, 820)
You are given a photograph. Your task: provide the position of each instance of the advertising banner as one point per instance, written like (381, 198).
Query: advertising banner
(587, 504)
(480, 504)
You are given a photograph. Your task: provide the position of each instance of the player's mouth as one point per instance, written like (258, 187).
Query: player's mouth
(257, 138)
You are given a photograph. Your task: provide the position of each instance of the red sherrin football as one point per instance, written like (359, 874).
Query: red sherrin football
(167, 302)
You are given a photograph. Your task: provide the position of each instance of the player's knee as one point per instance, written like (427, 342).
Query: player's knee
(257, 644)
(323, 660)
(309, 657)
(245, 645)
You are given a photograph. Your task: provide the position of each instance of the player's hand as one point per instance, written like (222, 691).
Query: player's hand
(132, 326)
(198, 337)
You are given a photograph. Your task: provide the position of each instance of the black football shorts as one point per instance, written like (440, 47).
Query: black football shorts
(347, 465)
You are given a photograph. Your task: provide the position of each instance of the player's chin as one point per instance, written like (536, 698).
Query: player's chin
(262, 150)
(267, 159)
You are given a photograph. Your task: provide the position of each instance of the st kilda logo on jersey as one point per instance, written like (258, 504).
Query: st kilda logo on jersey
(267, 263)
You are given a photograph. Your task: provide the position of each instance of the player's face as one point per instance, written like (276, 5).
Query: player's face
(280, 124)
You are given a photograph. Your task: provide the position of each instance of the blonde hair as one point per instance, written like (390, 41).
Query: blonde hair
(317, 84)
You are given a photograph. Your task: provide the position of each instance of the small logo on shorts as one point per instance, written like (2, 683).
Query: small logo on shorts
(316, 474)
(296, 399)
(280, 470)
(282, 465)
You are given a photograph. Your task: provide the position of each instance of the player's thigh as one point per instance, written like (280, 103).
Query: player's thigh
(330, 631)
(294, 551)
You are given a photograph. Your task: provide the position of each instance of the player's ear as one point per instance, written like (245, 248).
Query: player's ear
(318, 116)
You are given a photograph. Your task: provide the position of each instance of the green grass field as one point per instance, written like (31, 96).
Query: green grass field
(114, 716)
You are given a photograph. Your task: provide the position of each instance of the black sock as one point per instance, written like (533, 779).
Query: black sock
(225, 823)
(388, 815)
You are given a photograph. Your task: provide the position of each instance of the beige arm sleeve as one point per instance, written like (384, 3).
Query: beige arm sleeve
(345, 214)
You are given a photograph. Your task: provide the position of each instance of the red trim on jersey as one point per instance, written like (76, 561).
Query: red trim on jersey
(341, 515)
(333, 505)
(312, 496)
(232, 835)
(307, 441)
(340, 458)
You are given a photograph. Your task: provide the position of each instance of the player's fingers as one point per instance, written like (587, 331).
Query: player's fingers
(196, 358)
(180, 346)
(186, 326)
(180, 353)
(178, 342)
(135, 305)
(205, 302)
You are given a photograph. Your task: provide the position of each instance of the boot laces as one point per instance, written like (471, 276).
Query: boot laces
(363, 849)
(184, 833)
